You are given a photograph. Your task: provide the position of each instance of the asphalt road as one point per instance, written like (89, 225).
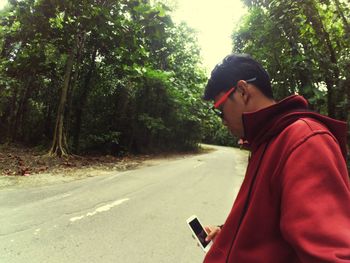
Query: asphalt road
(134, 216)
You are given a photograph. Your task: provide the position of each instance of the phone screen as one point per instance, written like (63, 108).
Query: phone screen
(199, 231)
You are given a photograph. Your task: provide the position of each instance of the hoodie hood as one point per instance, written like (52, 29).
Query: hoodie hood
(262, 125)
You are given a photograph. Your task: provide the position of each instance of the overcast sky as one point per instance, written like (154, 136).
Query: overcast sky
(213, 19)
(2, 3)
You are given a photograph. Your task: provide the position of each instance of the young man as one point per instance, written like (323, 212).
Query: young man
(294, 203)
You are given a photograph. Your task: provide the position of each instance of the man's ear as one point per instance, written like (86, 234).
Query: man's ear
(244, 90)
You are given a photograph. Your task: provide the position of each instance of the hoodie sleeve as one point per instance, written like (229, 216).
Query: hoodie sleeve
(315, 201)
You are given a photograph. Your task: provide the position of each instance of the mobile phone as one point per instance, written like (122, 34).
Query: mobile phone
(199, 233)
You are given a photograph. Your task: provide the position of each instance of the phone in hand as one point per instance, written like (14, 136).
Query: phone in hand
(199, 233)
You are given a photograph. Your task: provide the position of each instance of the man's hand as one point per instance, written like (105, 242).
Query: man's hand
(212, 232)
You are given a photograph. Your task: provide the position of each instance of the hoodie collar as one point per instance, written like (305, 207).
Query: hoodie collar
(262, 125)
(256, 124)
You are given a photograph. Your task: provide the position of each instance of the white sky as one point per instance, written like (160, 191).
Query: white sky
(213, 19)
(2, 3)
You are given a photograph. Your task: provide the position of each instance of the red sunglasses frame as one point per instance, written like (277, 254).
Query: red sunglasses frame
(224, 98)
(228, 93)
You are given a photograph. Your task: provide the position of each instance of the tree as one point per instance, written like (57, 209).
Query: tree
(304, 45)
(103, 75)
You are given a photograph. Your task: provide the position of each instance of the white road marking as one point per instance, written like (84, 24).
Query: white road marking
(100, 209)
(37, 231)
(76, 218)
(198, 165)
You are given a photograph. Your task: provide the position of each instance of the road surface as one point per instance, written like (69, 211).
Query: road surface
(134, 216)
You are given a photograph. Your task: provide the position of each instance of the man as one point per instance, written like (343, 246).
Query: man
(294, 203)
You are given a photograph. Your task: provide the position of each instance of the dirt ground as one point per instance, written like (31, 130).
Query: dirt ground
(21, 166)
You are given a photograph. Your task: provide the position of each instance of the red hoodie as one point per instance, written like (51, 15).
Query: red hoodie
(294, 203)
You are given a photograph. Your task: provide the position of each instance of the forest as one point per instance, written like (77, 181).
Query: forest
(102, 76)
(120, 76)
(305, 47)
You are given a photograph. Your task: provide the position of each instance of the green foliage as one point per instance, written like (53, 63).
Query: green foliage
(305, 47)
(216, 133)
(135, 83)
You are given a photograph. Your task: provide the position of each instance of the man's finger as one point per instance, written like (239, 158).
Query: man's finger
(211, 235)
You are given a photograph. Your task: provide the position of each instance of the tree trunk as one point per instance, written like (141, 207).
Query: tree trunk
(83, 99)
(342, 16)
(330, 67)
(59, 147)
(11, 118)
(17, 132)
(73, 81)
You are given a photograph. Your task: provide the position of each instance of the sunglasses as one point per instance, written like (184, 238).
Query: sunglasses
(216, 107)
